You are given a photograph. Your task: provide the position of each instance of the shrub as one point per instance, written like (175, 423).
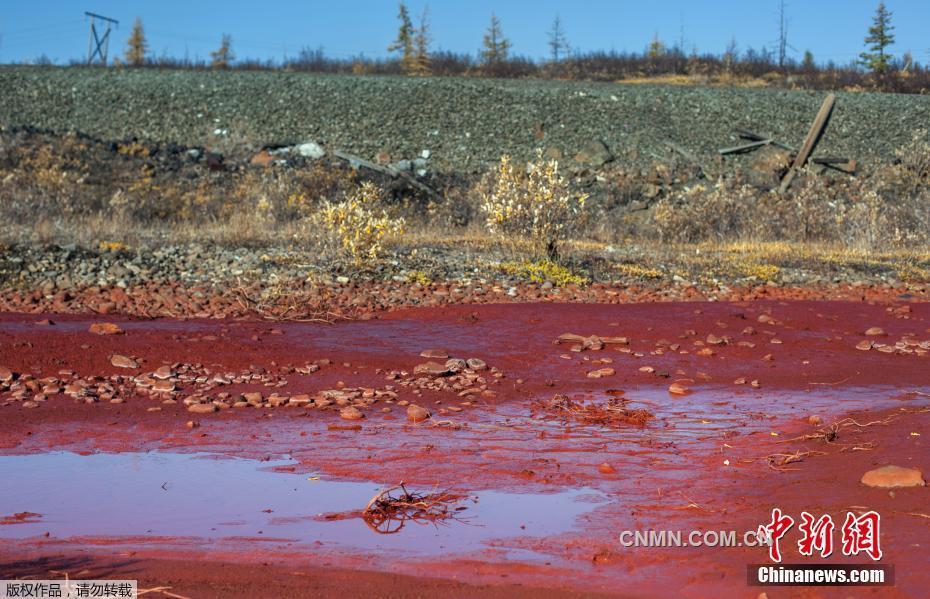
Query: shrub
(535, 202)
(358, 225)
(542, 271)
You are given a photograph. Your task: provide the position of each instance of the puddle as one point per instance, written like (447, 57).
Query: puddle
(213, 497)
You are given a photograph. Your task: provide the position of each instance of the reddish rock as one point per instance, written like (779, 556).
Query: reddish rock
(163, 372)
(202, 408)
(600, 373)
(121, 361)
(606, 468)
(351, 413)
(434, 354)
(476, 364)
(105, 328)
(417, 414)
(263, 158)
(431, 369)
(888, 477)
(679, 388)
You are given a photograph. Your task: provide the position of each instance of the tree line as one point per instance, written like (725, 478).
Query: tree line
(411, 54)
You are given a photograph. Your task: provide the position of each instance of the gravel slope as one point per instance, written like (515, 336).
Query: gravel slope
(465, 123)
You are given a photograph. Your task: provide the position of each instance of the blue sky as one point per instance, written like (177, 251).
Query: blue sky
(831, 29)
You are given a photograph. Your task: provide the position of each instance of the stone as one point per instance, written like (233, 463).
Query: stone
(299, 400)
(6, 375)
(888, 477)
(262, 159)
(254, 398)
(606, 468)
(163, 386)
(105, 328)
(434, 354)
(456, 365)
(600, 373)
(596, 153)
(431, 369)
(476, 364)
(121, 361)
(678, 388)
(310, 149)
(874, 331)
(416, 413)
(163, 372)
(814, 420)
(767, 167)
(202, 408)
(351, 413)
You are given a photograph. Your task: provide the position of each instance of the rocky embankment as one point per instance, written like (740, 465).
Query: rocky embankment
(463, 124)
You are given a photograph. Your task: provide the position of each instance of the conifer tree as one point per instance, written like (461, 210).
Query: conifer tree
(136, 46)
(877, 59)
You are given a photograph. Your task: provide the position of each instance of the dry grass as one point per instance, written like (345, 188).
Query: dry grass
(615, 412)
(73, 190)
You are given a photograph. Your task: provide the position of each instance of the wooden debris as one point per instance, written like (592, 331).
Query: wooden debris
(810, 142)
(745, 147)
(357, 162)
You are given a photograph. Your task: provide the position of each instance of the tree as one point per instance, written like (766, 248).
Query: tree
(496, 46)
(223, 56)
(656, 47)
(730, 55)
(877, 59)
(807, 64)
(136, 46)
(558, 42)
(404, 42)
(782, 35)
(421, 41)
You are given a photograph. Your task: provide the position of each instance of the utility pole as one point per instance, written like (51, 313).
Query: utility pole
(98, 45)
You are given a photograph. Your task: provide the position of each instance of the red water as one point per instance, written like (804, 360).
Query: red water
(698, 464)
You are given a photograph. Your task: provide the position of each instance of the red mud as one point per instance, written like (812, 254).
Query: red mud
(701, 463)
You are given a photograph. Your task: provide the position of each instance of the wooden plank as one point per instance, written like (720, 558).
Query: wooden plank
(840, 164)
(744, 134)
(688, 155)
(357, 161)
(810, 142)
(745, 147)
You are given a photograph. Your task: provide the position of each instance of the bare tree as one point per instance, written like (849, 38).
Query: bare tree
(558, 42)
(730, 55)
(421, 42)
(782, 34)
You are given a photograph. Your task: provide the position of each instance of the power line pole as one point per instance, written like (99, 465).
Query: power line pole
(98, 45)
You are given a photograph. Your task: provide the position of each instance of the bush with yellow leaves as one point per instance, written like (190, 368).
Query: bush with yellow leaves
(358, 224)
(533, 202)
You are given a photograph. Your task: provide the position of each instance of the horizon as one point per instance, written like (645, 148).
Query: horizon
(181, 31)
